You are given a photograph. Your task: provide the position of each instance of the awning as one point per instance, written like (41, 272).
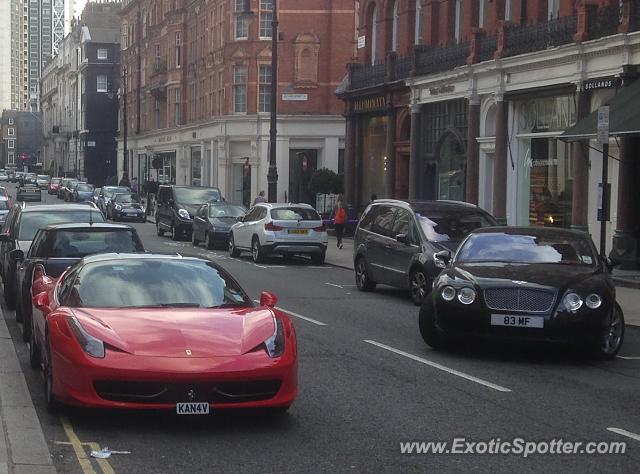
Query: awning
(624, 117)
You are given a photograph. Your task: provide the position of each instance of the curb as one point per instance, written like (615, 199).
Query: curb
(626, 282)
(23, 447)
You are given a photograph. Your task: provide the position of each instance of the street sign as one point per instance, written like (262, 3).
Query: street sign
(91, 143)
(362, 41)
(295, 97)
(603, 124)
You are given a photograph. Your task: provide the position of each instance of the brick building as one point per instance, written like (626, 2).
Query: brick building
(198, 85)
(477, 100)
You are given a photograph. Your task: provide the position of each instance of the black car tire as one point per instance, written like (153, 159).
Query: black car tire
(427, 324)
(159, 230)
(50, 400)
(419, 286)
(610, 342)
(195, 242)
(209, 241)
(318, 258)
(256, 250)
(34, 350)
(233, 250)
(174, 233)
(363, 282)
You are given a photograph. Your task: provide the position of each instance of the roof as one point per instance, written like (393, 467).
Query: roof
(87, 226)
(105, 257)
(624, 117)
(431, 205)
(553, 232)
(278, 205)
(59, 207)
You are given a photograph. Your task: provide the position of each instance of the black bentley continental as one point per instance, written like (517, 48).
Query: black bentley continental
(524, 283)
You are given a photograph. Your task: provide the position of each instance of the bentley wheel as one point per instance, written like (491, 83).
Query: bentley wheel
(233, 250)
(363, 282)
(318, 258)
(419, 286)
(612, 335)
(427, 324)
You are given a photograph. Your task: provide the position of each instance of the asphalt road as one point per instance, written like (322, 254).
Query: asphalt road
(367, 383)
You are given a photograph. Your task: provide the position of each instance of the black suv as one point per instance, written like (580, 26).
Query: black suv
(57, 247)
(395, 241)
(177, 205)
(20, 228)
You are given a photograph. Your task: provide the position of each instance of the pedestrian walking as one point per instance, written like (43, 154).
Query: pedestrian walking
(259, 198)
(124, 182)
(134, 185)
(339, 219)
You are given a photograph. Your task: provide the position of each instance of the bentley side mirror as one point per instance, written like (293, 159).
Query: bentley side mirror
(17, 255)
(268, 299)
(240, 219)
(403, 239)
(442, 258)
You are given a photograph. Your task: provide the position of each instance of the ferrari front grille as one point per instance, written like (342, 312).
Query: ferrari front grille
(530, 300)
(161, 392)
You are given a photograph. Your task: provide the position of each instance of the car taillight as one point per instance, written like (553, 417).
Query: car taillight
(272, 227)
(322, 228)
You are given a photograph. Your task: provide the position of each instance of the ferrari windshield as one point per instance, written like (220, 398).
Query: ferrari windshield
(152, 282)
(518, 248)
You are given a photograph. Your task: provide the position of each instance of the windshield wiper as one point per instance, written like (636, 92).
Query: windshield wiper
(168, 305)
(228, 305)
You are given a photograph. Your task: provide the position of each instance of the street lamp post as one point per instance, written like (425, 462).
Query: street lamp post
(125, 166)
(272, 175)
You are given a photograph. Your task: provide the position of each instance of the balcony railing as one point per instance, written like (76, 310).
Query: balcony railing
(159, 66)
(433, 60)
(367, 75)
(604, 21)
(549, 34)
(487, 46)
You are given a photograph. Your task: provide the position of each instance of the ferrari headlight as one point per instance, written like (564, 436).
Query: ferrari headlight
(593, 301)
(572, 301)
(448, 293)
(183, 213)
(91, 345)
(466, 295)
(275, 344)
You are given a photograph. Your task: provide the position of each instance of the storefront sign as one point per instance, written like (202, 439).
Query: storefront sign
(547, 115)
(165, 139)
(91, 143)
(295, 97)
(369, 104)
(602, 83)
(443, 89)
(362, 42)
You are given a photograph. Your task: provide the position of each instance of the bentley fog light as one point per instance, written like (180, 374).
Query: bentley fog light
(466, 296)
(593, 301)
(448, 293)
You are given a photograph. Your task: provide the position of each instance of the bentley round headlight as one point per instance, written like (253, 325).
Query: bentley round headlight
(593, 301)
(572, 301)
(466, 296)
(448, 293)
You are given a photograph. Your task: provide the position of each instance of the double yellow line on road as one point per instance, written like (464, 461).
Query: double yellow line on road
(81, 455)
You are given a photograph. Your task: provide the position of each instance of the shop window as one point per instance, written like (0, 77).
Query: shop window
(240, 88)
(395, 17)
(452, 164)
(417, 29)
(374, 172)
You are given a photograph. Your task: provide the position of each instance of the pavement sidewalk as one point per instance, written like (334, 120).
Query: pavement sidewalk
(629, 298)
(23, 448)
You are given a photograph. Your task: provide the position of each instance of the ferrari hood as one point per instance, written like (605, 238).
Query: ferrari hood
(179, 332)
(553, 275)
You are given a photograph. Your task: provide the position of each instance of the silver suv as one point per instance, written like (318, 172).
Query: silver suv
(283, 229)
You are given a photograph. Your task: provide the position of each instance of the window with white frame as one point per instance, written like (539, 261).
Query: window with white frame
(178, 99)
(11, 131)
(374, 34)
(11, 143)
(458, 21)
(241, 20)
(553, 9)
(481, 8)
(239, 88)
(264, 88)
(417, 32)
(507, 10)
(266, 17)
(102, 83)
(103, 54)
(178, 46)
(394, 26)
(11, 158)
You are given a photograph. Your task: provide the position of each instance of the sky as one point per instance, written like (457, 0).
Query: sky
(79, 7)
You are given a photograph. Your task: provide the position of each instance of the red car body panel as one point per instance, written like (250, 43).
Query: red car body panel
(153, 345)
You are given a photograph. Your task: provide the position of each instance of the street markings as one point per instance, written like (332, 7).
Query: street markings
(628, 358)
(626, 433)
(299, 316)
(435, 365)
(334, 285)
(81, 455)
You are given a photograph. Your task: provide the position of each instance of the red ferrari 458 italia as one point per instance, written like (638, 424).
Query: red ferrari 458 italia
(158, 331)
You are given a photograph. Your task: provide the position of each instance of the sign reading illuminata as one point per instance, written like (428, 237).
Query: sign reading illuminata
(369, 103)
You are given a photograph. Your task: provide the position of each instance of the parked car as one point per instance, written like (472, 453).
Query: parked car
(29, 178)
(4, 177)
(106, 195)
(176, 206)
(95, 196)
(395, 241)
(56, 247)
(18, 176)
(525, 284)
(4, 192)
(29, 193)
(21, 226)
(12, 176)
(5, 207)
(66, 187)
(123, 206)
(82, 192)
(170, 339)
(213, 221)
(53, 186)
(43, 180)
(283, 229)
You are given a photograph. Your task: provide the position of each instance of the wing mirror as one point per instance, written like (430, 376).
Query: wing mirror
(240, 218)
(403, 239)
(442, 258)
(17, 255)
(609, 262)
(41, 301)
(268, 299)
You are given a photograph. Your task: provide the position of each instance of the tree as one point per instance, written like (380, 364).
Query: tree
(326, 181)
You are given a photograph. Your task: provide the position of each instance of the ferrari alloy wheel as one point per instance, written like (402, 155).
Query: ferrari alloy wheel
(34, 351)
(612, 335)
(233, 251)
(363, 282)
(256, 251)
(428, 329)
(419, 286)
(49, 399)
(208, 239)
(159, 230)
(195, 242)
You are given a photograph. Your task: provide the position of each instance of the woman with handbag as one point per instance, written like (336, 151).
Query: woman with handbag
(339, 219)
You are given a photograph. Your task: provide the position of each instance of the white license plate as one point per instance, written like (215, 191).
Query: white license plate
(299, 231)
(518, 321)
(192, 408)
